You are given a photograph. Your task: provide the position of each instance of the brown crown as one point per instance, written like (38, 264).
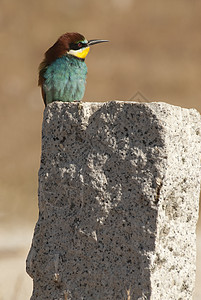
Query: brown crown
(62, 46)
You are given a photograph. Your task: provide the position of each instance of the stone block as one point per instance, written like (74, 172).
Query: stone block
(119, 189)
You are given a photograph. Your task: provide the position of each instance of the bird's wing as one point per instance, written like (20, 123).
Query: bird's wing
(42, 69)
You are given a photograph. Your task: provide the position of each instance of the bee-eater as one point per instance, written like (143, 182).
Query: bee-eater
(62, 73)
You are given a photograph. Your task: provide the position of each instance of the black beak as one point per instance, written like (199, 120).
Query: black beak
(93, 42)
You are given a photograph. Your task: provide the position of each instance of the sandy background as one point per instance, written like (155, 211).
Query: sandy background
(154, 49)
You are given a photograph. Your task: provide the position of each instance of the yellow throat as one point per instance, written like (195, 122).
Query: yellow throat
(81, 53)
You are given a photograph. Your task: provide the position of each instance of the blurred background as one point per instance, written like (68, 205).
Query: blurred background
(154, 50)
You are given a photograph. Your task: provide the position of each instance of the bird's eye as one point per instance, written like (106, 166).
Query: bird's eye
(76, 46)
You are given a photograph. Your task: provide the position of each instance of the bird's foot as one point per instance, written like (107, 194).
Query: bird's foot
(80, 106)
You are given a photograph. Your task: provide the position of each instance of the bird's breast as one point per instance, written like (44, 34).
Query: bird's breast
(65, 79)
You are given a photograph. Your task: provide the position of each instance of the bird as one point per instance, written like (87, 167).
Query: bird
(63, 71)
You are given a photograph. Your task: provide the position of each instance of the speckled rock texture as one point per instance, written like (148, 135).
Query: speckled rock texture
(118, 202)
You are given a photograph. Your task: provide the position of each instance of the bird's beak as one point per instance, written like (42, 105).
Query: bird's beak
(93, 42)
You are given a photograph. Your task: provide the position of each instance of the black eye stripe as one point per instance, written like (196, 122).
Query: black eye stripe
(77, 46)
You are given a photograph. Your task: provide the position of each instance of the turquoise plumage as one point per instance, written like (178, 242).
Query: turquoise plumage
(65, 79)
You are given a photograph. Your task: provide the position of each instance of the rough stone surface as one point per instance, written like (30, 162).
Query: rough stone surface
(118, 200)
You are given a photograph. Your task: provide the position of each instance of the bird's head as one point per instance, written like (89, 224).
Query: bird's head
(73, 44)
